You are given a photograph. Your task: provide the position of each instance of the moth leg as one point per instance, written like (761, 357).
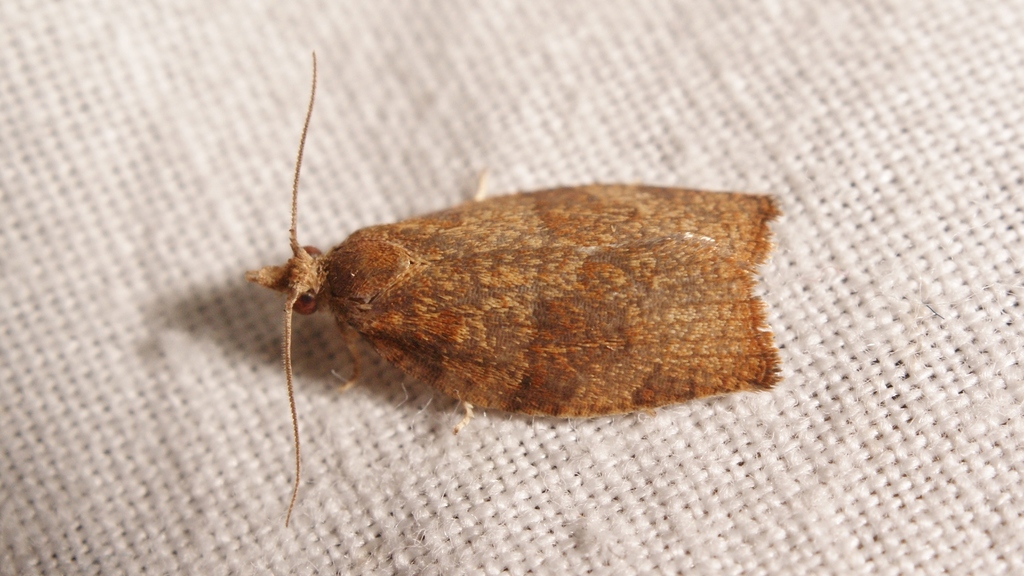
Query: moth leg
(481, 186)
(348, 334)
(465, 419)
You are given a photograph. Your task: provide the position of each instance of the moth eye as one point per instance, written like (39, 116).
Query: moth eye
(306, 304)
(312, 250)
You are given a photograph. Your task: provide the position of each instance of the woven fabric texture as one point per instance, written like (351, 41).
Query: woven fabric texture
(146, 155)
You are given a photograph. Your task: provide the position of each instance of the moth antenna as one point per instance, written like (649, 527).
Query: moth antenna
(293, 295)
(287, 353)
(298, 164)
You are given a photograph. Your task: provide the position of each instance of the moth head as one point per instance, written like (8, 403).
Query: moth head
(301, 278)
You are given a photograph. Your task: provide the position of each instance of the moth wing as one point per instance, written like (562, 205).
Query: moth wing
(579, 330)
(595, 215)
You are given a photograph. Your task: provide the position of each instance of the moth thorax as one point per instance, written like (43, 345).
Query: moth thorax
(360, 269)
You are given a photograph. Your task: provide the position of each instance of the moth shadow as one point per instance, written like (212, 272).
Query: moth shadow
(245, 323)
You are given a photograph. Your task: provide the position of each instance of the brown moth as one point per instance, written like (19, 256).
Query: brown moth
(578, 301)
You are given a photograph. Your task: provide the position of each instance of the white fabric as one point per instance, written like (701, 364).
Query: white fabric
(145, 164)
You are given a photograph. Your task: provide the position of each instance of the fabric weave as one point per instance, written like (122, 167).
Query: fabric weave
(147, 151)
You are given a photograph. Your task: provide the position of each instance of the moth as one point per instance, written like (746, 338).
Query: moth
(578, 301)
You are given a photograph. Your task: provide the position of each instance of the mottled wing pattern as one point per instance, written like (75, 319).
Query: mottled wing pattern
(581, 301)
(596, 215)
